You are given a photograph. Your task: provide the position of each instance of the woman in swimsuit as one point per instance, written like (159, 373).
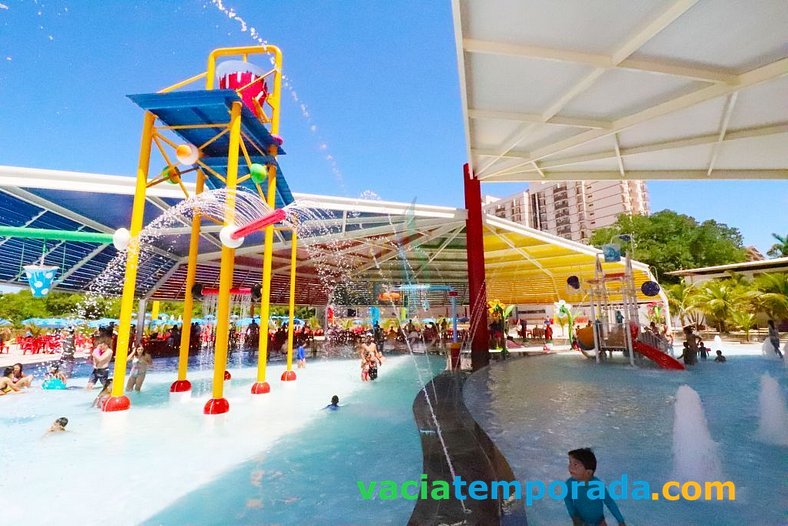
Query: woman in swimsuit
(21, 379)
(6, 384)
(141, 360)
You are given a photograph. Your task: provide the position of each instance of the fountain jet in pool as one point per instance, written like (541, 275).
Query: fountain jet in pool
(773, 423)
(695, 455)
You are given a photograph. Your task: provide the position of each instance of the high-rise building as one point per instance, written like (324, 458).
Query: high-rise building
(571, 209)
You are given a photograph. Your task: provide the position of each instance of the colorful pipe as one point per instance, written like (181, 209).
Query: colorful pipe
(258, 224)
(54, 235)
(210, 291)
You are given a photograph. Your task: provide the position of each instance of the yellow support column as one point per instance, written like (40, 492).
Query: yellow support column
(118, 401)
(218, 405)
(182, 385)
(289, 375)
(261, 386)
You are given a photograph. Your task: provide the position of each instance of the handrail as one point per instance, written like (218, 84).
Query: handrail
(244, 51)
(183, 83)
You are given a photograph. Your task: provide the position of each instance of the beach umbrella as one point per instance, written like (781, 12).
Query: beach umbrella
(53, 323)
(4, 322)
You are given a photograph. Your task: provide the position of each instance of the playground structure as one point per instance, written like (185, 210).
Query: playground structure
(220, 127)
(615, 327)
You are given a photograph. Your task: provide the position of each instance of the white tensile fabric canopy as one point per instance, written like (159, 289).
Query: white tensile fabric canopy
(624, 89)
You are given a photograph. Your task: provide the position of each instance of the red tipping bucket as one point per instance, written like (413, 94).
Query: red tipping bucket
(235, 74)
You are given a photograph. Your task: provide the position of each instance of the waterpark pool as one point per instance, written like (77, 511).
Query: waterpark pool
(536, 409)
(273, 459)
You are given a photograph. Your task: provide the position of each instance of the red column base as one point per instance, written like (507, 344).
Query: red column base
(216, 406)
(261, 388)
(181, 386)
(116, 403)
(288, 376)
(227, 376)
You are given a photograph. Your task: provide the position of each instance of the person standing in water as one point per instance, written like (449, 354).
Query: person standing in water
(141, 361)
(774, 338)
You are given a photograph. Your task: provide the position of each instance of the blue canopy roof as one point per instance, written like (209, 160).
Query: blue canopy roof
(205, 107)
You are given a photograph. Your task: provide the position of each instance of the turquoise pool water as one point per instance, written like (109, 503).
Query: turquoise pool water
(278, 459)
(536, 409)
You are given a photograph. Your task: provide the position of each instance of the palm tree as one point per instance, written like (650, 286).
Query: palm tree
(779, 249)
(773, 297)
(718, 299)
(743, 320)
(680, 300)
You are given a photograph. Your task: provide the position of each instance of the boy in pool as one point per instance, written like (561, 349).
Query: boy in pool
(720, 357)
(301, 355)
(583, 510)
(334, 405)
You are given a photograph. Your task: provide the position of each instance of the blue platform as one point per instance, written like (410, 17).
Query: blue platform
(191, 108)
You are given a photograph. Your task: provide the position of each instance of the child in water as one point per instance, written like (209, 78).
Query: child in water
(364, 369)
(583, 510)
(59, 425)
(334, 405)
(103, 396)
(301, 356)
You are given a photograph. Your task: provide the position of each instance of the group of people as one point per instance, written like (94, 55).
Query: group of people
(694, 347)
(14, 380)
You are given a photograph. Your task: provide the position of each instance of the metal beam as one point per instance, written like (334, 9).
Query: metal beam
(167, 275)
(630, 46)
(731, 135)
(80, 263)
(687, 71)
(726, 117)
(27, 223)
(771, 71)
(663, 175)
(539, 118)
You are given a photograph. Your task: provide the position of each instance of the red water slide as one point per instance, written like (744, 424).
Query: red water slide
(662, 359)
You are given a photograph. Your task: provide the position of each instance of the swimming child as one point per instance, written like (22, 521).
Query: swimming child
(301, 355)
(334, 405)
(720, 358)
(54, 379)
(59, 425)
(584, 510)
(364, 369)
(372, 360)
(55, 373)
(103, 396)
(702, 350)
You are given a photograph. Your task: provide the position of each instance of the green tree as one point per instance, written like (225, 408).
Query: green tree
(744, 320)
(669, 241)
(772, 294)
(680, 300)
(779, 249)
(21, 305)
(718, 299)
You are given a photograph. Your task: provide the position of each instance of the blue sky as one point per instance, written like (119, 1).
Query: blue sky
(378, 79)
